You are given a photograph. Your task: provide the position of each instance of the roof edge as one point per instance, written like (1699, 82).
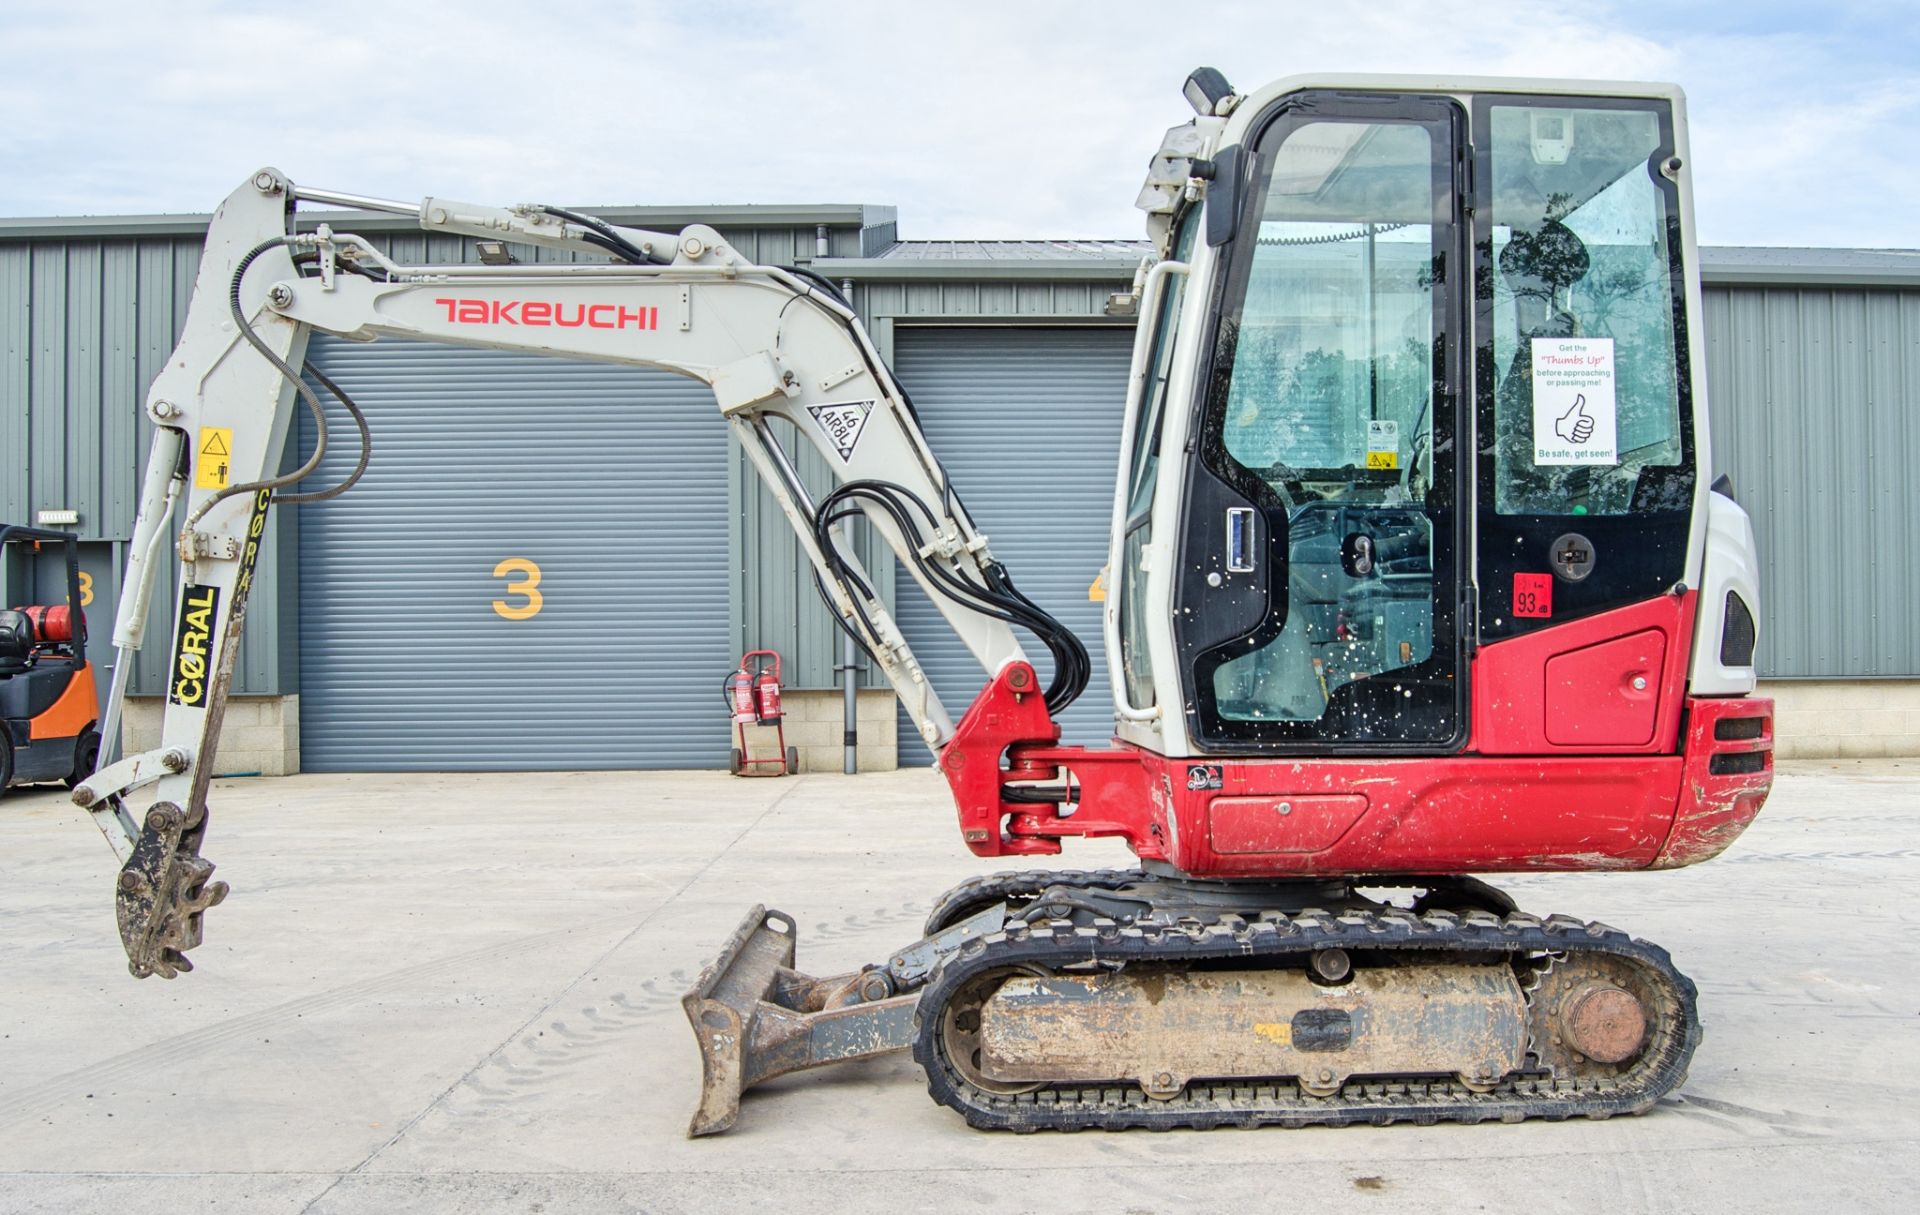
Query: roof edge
(1725, 265)
(1788, 266)
(1719, 265)
(1056, 269)
(735, 215)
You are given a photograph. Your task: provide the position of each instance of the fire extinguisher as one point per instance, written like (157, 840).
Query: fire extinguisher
(766, 691)
(740, 695)
(753, 697)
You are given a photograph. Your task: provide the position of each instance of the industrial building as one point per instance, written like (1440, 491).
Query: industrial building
(583, 557)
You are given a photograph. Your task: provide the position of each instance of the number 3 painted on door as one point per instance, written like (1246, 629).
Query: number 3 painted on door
(529, 588)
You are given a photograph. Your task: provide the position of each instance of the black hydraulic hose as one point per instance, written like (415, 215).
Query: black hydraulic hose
(840, 622)
(955, 587)
(1000, 599)
(366, 445)
(306, 394)
(1073, 666)
(826, 285)
(599, 241)
(610, 236)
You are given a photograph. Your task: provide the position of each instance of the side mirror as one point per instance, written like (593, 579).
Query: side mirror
(1223, 196)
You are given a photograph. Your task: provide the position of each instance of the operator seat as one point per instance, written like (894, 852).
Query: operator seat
(16, 641)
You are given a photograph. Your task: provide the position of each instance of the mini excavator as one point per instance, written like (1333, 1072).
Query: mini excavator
(1417, 574)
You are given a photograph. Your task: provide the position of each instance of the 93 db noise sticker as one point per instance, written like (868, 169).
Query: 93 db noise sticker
(193, 645)
(842, 424)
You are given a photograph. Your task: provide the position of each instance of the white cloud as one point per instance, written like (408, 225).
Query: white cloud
(989, 119)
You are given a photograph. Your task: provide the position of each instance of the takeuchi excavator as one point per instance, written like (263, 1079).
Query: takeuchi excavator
(1416, 568)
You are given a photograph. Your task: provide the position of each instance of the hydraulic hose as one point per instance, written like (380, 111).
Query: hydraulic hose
(998, 599)
(306, 394)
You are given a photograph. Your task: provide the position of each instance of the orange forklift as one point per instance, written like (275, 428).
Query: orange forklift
(49, 710)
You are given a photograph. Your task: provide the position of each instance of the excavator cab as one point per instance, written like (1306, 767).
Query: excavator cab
(1442, 395)
(49, 709)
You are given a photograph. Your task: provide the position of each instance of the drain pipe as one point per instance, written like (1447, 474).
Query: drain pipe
(849, 655)
(850, 695)
(849, 669)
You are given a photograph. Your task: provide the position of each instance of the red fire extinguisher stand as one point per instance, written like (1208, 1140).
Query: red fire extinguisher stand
(753, 697)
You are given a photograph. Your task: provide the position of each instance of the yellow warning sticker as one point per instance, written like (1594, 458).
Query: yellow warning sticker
(1280, 1032)
(213, 459)
(1383, 459)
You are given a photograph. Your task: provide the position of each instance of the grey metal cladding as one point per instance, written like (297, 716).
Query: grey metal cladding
(612, 480)
(1027, 423)
(1798, 371)
(90, 308)
(1815, 398)
(85, 325)
(780, 607)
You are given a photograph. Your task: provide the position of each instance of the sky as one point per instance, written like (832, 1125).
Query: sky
(984, 119)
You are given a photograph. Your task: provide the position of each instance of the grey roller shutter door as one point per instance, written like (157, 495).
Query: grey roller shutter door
(613, 481)
(1027, 423)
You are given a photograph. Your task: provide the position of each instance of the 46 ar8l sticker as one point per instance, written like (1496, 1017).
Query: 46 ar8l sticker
(842, 424)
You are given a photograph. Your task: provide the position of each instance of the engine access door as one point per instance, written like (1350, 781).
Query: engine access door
(1318, 594)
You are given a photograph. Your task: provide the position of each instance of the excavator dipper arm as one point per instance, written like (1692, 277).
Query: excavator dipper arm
(771, 343)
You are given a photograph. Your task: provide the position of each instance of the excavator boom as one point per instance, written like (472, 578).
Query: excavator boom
(774, 345)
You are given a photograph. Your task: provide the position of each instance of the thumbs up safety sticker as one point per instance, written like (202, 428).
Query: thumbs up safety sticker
(1574, 416)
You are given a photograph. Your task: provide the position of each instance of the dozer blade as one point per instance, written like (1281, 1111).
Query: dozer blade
(756, 1017)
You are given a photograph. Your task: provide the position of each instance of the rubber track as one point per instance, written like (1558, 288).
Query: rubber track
(1662, 1065)
(1021, 884)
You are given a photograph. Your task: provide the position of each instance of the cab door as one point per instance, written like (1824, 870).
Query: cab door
(1319, 597)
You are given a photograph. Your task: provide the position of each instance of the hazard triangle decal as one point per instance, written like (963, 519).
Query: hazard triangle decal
(842, 424)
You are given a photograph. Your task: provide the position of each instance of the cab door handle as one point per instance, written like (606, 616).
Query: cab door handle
(1239, 539)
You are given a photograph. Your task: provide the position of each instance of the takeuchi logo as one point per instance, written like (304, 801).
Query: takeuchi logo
(548, 312)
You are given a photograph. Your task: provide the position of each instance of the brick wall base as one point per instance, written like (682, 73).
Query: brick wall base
(815, 725)
(259, 735)
(1814, 719)
(1844, 718)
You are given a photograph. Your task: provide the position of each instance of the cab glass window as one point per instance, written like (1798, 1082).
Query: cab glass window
(1136, 663)
(1583, 273)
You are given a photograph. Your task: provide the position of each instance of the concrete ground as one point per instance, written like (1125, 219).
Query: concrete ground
(461, 993)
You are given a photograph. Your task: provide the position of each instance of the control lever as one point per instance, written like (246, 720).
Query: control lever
(1356, 554)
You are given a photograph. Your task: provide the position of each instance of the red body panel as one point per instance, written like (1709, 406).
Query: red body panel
(1716, 806)
(1539, 693)
(1606, 695)
(1571, 767)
